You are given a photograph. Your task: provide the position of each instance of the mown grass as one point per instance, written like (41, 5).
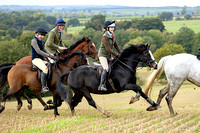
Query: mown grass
(126, 118)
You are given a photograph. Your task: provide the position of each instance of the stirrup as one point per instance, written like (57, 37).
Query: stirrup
(45, 89)
(102, 88)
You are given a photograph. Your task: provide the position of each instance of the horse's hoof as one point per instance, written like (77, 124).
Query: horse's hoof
(29, 107)
(73, 113)
(152, 108)
(173, 115)
(1, 108)
(51, 107)
(46, 108)
(49, 101)
(56, 114)
(133, 99)
(18, 107)
(108, 114)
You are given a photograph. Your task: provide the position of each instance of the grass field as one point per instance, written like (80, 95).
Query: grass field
(126, 118)
(170, 26)
(174, 26)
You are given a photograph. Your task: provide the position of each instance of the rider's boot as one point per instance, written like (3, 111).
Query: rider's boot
(45, 89)
(102, 86)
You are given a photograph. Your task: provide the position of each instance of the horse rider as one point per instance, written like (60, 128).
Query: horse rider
(38, 54)
(108, 42)
(54, 41)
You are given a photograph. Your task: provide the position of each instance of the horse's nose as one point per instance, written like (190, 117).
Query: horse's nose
(156, 66)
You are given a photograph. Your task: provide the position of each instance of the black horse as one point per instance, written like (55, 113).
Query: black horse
(84, 80)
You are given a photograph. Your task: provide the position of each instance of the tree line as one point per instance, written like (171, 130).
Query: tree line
(18, 28)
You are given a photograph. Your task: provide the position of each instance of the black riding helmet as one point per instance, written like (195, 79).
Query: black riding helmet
(41, 31)
(109, 23)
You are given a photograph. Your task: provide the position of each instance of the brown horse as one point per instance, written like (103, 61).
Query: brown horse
(85, 45)
(21, 77)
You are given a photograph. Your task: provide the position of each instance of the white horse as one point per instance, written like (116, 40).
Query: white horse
(178, 68)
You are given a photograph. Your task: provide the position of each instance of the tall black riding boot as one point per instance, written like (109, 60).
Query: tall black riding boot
(45, 89)
(102, 86)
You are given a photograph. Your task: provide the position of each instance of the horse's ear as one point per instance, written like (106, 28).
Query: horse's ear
(148, 45)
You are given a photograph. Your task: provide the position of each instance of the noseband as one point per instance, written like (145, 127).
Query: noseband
(89, 52)
(148, 62)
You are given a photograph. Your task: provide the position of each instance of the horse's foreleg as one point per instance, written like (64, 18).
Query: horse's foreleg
(93, 104)
(38, 96)
(138, 89)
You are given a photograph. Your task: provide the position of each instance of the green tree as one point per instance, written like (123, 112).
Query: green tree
(183, 11)
(166, 16)
(96, 22)
(187, 16)
(196, 44)
(51, 20)
(184, 37)
(168, 49)
(73, 22)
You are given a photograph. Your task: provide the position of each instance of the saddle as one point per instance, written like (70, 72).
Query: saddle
(99, 70)
(39, 72)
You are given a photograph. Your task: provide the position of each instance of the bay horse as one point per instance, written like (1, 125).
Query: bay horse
(122, 73)
(85, 45)
(177, 68)
(21, 77)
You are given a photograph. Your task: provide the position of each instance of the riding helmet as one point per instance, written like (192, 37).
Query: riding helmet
(60, 22)
(109, 23)
(41, 31)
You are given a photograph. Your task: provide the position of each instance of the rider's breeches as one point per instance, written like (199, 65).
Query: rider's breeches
(40, 64)
(104, 63)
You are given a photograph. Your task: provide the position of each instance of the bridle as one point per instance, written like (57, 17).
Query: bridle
(147, 63)
(89, 53)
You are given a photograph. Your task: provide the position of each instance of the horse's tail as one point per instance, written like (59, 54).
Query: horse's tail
(154, 75)
(4, 69)
(65, 92)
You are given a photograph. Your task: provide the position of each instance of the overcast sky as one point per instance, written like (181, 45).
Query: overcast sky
(133, 3)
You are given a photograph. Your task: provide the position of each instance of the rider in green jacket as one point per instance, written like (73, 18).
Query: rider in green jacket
(54, 41)
(108, 42)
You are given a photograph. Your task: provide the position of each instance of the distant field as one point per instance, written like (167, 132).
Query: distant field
(174, 26)
(126, 118)
(171, 26)
(73, 30)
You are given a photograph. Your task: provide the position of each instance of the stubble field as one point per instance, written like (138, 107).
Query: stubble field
(126, 118)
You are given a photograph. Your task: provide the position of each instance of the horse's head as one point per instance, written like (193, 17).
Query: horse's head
(147, 57)
(89, 48)
(74, 60)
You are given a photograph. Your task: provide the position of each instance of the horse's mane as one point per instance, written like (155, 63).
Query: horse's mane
(77, 43)
(67, 58)
(133, 49)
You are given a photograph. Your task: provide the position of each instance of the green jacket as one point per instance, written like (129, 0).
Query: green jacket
(53, 41)
(107, 46)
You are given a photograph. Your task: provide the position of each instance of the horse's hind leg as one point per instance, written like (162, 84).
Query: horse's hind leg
(26, 97)
(74, 102)
(93, 104)
(19, 101)
(162, 93)
(172, 92)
